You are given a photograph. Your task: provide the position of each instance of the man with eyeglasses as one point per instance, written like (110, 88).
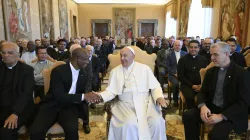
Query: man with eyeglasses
(236, 57)
(205, 51)
(16, 88)
(188, 70)
(41, 64)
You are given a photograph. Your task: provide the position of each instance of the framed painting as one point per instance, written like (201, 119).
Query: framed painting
(63, 18)
(124, 20)
(46, 19)
(234, 17)
(17, 19)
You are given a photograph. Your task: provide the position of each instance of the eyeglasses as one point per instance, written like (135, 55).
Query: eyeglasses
(8, 52)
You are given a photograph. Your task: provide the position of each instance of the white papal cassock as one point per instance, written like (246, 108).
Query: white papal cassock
(135, 116)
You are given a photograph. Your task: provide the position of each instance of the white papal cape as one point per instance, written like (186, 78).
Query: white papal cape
(146, 117)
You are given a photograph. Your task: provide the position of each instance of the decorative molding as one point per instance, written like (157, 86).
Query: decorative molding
(140, 21)
(94, 21)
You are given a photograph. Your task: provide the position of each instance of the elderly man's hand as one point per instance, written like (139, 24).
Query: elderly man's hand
(204, 114)
(11, 122)
(162, 102)
(215, 118)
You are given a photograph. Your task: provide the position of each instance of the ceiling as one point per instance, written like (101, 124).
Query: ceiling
(153, 2)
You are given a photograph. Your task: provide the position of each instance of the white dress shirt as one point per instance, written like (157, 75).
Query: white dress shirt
(177, 55)
(28, 57)
(75, 74)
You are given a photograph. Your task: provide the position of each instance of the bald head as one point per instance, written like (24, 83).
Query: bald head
(177, 45)
(80, 58)
(10, 53)
(73, 47)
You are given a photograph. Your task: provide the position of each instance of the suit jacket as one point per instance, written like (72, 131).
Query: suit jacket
(95, 66)
(102, 54)
(171, 63)
(60, 84)
(161, 58)
(205, 54)
(235, 94)
(23, 85)
(239, 59)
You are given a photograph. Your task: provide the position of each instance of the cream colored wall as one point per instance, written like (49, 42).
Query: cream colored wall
(87, 12)
(215, 18)
(72, 11)
(2, 32)
(35, 20)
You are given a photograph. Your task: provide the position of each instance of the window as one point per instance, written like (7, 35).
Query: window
(170, 29)
(199, 23)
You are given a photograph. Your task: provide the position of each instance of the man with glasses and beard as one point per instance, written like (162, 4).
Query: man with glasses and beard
(188, 70)
(205, 51)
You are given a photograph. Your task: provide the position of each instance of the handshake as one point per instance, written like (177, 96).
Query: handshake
(93, 97)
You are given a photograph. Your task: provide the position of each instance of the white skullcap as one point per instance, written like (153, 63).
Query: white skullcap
(131, 49)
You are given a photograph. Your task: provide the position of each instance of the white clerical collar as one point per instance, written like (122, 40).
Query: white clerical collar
(130, 67)
(73, 69)
(11, 67)
(42, 62)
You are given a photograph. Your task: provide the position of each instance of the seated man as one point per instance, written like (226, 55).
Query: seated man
(30, 55)
(171, 63)
(41, 64)
(236, 57)
(16, 88)
(95, 61)
(61, 53)
(137, 113)
(223, 100)
(161, 62)
(205, 51)
(188, 70)
(65, 98)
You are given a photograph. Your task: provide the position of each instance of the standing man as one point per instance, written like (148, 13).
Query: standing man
(223, 100)
(67, 93)
(188, 70)
(16, 89)
(171, 64)
(136, 114)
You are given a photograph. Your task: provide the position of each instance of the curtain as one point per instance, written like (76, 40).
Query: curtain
(170, 29)
(207, 3)
(199, 23)
(184, 17)
(174, 9)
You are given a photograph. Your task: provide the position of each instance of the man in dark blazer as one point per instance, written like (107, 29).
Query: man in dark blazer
(101, 53)
(223, 100)
(67, 93)
(205, 51)
(171, 63)
(60, 53)
(16, 89)
(95, 61)
(188, 71)
(236, 57)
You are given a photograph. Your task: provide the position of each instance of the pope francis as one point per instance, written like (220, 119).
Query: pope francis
(137, 113)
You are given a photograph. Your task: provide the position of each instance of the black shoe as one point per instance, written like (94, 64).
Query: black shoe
(86, 129)
(175, 104)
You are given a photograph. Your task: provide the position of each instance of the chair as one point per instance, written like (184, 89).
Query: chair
(142, 57)
(247, 58)
(246, 53)
(209, 127)
(56, 130)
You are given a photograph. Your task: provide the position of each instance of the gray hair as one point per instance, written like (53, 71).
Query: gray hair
(89, 46)
(73, 47)
(224, 47)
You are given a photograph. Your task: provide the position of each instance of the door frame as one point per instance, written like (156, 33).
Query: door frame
(140, 21)
(94, 21)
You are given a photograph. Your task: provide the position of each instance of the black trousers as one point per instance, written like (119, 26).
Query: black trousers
(189, 94)
(192, 121)
(39, 91)
(25, 118)
(84, 113)
(67, 117)
(175, 88)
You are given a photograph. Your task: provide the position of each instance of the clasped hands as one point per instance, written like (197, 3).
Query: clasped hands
(93, 97)
(209, 118)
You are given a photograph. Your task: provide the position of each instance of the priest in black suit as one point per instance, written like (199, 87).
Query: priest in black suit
(188, 71)
(60, 53)
(16, 89)
(236, 57)
(223, 100)
(67, 93)
(205, 51)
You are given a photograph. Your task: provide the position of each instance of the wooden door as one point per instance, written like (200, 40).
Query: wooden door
(147, 29)
(101, 29)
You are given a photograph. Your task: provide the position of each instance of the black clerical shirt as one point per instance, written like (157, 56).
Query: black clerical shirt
(189, 69)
